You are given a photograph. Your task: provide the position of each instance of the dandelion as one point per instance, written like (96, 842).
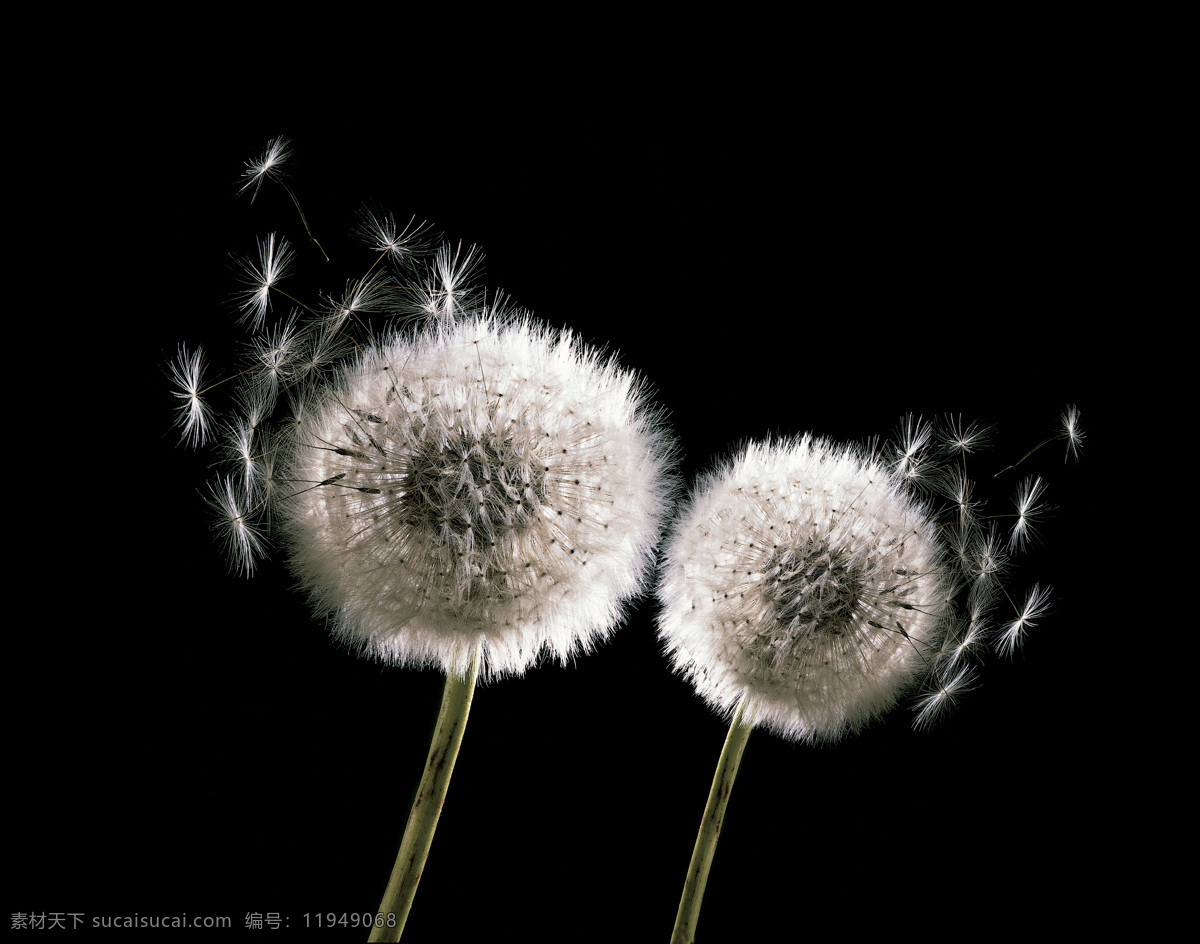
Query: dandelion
(475, 493)
(807, 589)
(804, 590)
(805, 584)
(473, 497)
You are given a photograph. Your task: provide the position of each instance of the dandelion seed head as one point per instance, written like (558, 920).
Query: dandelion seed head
(803, 578)
(487, 481)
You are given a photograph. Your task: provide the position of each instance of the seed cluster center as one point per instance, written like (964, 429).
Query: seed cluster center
(815, 590)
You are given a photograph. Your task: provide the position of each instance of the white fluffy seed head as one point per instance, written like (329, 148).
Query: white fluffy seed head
(488, 481)
(803, 578)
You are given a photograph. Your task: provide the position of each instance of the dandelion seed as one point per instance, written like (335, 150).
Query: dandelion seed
(968, 438)
(988, 558)
(192, 414)
(960, 648)
(1037, 604)
(274, 354)
(1030, 512)
(239, 448)
(950, 686)
(274, 263)
(910, 451)
(954, 485)
(268, 165)
(450, 285)
(243, 540)
(1072, 432)
(381, 234)
(361, 296)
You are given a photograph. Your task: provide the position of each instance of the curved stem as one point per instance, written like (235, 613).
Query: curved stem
(710, 829)
(427, 805)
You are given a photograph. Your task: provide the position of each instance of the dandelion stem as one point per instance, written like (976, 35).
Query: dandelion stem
(427, 805)
(710, 829)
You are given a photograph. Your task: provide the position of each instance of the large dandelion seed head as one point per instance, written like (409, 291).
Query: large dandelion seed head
(804, 578)
(487, 482)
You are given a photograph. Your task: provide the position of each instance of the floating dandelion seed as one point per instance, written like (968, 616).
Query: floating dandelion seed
(193, 414)
(274, 264)
(1072, 432)
(1037, 604)
(1030, 511)
(269, 164)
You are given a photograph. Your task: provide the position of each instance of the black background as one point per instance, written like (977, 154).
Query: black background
(775, 261)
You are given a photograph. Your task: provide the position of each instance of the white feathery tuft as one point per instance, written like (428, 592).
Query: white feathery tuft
(1072, 432)
(193, 414)
(268, 164)
(1037, 604)
(274, 265)
(239, 532)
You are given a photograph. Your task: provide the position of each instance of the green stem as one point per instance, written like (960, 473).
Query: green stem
(427, 805)
(710, 829)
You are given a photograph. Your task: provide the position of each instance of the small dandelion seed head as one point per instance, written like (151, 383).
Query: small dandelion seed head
(803, 579)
